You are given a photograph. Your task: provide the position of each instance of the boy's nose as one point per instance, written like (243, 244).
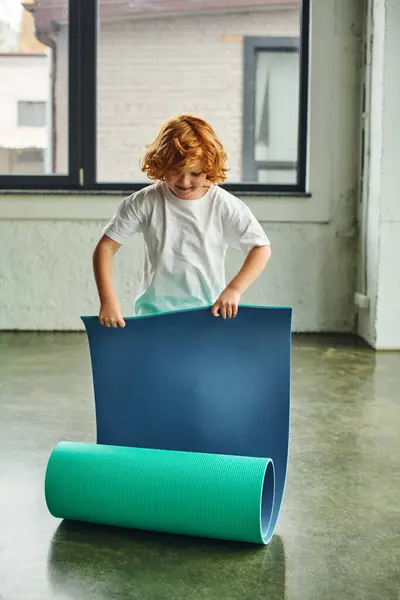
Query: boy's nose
(185, 180)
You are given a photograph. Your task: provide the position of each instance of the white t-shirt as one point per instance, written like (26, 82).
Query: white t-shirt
(185, 244)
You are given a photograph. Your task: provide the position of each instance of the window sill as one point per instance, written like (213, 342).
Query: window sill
(124, 193)
(78, 205)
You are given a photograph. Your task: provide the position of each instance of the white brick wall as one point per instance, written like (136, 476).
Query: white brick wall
(151, 69)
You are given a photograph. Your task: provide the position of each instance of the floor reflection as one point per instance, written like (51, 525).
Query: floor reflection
(104, 562)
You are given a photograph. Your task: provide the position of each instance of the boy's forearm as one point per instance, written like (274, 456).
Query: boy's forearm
(253, 266)
(103, 259)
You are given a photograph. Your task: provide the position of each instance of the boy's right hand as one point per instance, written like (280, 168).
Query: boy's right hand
(111, 315)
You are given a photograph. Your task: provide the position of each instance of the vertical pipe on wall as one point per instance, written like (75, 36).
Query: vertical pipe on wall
(365, 150)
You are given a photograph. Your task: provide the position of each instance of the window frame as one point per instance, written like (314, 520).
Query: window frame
(82, 115)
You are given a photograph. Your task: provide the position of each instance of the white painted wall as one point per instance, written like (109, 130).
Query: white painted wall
(380, 325)
(47, 241)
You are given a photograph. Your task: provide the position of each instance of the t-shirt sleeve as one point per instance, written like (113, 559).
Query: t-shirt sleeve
(128, 219)
(242, 231)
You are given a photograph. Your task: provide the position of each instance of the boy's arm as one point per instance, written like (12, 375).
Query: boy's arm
(228, 302)
(103, 258)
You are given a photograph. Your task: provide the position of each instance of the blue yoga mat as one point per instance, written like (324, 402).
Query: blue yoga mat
(187, 381)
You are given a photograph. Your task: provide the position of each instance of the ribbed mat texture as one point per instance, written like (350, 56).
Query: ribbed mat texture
(205, 495)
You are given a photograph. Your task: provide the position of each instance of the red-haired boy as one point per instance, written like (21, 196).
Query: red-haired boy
(187, 222)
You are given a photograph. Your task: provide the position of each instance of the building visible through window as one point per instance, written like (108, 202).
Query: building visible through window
(148, 68)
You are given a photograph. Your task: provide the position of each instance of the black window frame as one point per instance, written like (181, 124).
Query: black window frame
(82, 120)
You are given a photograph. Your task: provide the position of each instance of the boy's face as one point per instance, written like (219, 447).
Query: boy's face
(189, 183)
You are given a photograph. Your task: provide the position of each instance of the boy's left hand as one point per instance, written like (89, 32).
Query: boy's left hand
(227, 305)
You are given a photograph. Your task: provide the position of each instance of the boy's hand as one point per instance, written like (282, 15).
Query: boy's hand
(227, 305)
(111, 315)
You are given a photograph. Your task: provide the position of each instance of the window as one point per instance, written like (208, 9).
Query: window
(31, 114)
(271, 110)
(34, 117)
(242, 68)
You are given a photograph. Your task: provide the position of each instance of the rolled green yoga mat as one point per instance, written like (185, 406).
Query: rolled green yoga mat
(206, 495)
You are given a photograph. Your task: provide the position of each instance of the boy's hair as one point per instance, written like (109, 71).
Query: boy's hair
(181, 141)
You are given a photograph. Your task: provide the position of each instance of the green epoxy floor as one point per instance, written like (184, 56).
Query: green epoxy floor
(338, 536)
